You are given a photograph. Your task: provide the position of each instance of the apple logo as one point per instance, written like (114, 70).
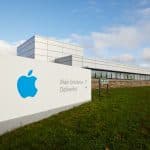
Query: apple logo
(26, 85)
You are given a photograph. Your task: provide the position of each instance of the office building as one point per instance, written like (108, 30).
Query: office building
(51, 50)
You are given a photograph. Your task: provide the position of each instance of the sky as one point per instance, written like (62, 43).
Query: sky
(118, 30)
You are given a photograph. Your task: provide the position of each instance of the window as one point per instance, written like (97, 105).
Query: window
(122, 75)
(93, 74)
(113, 75)
(125, 76)
(97, 74)
(118, 75)
(109, 75)
(104, 74)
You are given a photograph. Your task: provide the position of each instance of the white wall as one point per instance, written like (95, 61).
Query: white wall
(46, 49)
(49, 96)
(52, 49)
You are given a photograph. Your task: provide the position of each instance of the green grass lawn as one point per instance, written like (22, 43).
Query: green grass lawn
(117, 121)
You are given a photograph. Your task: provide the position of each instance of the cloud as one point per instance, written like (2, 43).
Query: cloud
(120, 40)
(147, 66)
(146, 54)
(121, 37)
(145, 11)
(116, 37)
(8, 48)
(144, 14)
(127, 58)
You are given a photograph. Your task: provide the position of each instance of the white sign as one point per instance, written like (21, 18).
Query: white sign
(28, 86)
(104, 81)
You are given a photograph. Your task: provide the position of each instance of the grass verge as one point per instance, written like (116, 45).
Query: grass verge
(119, 120)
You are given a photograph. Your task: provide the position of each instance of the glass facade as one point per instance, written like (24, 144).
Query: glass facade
(118, 75)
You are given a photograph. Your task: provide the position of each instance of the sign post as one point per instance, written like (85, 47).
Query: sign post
(99, 83)
(103, 81)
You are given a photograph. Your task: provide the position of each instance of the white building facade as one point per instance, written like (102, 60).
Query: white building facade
(47, 49)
